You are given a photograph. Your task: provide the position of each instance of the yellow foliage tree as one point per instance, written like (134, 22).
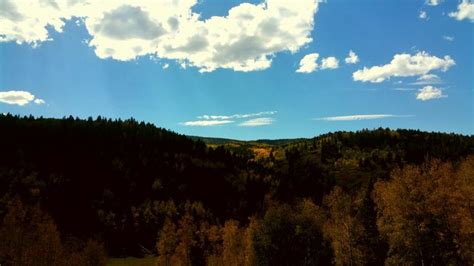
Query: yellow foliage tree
(344, 229)
(426, 214)
(234, 244)
(28, 236)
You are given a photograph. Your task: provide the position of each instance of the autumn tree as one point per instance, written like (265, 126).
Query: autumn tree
(249, 245)
(233, 246)
(28, 236)
(167, 242)
(426, 214)
(180, 243)
(176, 242)
(238, 245)
(210, 242)
(344, 229)
(464, 220)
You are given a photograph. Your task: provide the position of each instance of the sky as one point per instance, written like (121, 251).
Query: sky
(242, 69)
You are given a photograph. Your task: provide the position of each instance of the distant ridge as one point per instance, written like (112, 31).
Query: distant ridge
(271, 142)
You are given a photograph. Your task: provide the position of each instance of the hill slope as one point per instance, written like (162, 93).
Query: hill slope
(120, 180)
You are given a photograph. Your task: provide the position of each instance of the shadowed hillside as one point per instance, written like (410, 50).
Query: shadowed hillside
(142, 190)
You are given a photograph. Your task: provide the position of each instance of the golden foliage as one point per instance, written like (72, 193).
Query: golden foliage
(344, 229)
(30, 237)
(238, 245)
(228, 245)
(261, 152)
(426, 213)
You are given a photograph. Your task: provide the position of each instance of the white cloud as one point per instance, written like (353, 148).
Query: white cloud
(236, 116)
(359, 117)
(429, 93)
(329, 63)
(308, 63)
(39, 101)
(427, 79)
(26, 21)
(206, 123)
(245, 39)
(404, 65)
(262, 121)
(465, 11)
(214, 120)
(448, 38)
(423, 15)
(433, 2)
(352, 58)
(16, 97)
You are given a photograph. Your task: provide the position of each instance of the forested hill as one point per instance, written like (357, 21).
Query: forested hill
(89, 174)
(126, 183)
(224, 141)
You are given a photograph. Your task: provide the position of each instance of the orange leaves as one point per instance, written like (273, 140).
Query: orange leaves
(427, 209)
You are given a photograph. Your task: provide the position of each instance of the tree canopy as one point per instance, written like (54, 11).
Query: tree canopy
(346, 198)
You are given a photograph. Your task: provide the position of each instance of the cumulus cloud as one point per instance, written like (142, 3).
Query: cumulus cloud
(26, 21)
(352, 58)
(359, 117)
(213, 120)
(404, 65)
(246, 39)
(423, 15)
(329, 63)
(465, 11)
(19, 98)
(429, 93)
(308, 63)
(262, 121)
(128, 22)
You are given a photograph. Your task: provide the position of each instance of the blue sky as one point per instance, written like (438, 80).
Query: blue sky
(193, 78)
